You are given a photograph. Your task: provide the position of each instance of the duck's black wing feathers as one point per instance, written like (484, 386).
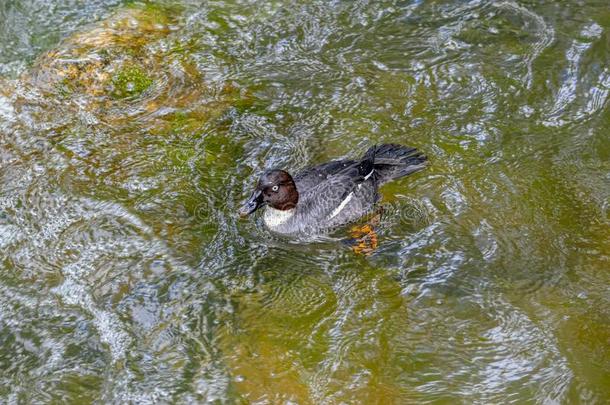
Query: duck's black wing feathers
(394, 161)
(353, 169)
(312, 176)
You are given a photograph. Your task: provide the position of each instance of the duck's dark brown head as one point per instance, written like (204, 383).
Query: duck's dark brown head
(275, 188)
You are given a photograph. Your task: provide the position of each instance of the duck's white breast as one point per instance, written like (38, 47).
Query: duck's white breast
(275, 218)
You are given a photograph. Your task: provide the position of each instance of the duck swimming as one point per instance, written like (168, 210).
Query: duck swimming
(319, 199)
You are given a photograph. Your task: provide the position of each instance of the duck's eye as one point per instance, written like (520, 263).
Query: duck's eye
(275, 188)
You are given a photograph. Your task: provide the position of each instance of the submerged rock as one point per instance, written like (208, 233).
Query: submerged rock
(135, 62)
(90, 62)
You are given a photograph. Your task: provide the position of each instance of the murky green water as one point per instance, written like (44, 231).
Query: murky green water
(130, 133)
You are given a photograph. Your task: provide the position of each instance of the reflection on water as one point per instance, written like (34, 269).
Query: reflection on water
(126, 147)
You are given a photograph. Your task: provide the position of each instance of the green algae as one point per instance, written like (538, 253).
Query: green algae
(131, 81)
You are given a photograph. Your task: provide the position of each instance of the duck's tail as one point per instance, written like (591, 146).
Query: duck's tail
(391, 161)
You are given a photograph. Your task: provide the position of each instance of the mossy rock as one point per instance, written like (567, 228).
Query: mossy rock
(113, 58)
(133, 63)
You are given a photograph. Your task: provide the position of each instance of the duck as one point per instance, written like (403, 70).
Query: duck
(320, 199)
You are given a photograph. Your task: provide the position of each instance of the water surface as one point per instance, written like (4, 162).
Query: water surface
(130, 133)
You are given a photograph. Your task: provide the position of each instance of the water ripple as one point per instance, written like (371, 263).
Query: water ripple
(127, 146)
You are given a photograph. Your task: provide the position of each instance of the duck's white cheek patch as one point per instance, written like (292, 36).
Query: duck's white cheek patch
(342, 205)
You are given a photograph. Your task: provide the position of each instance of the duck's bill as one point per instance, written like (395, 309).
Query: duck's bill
(254, 202)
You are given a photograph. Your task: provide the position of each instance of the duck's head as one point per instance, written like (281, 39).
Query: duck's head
(276, 189)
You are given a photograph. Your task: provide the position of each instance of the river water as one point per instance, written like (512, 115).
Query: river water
(130, 133)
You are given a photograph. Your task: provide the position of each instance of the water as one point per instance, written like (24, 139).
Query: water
(130, 133)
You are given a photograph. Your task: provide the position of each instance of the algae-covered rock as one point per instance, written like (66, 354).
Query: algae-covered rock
(135, 62)
(91, 61)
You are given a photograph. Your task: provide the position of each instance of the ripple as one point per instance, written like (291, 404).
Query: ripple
(125, 275)
(545, 32)
(308, 294)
